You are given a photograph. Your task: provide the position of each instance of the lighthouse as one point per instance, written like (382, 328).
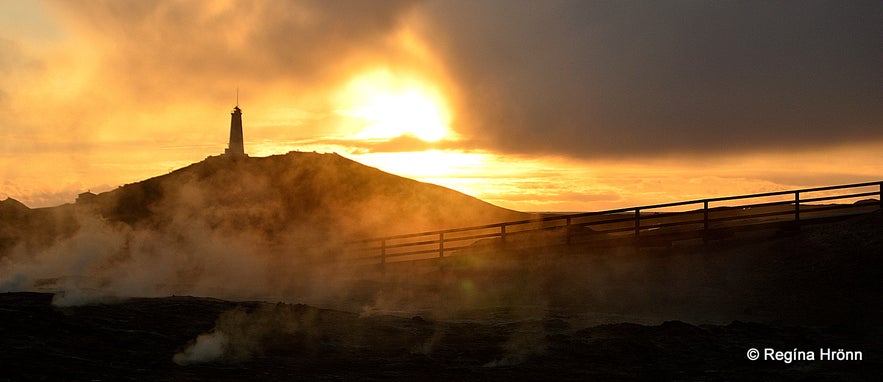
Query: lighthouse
(235, 147)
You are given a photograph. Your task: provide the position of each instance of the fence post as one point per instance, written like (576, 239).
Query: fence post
(637, 222)
(705, 223)
(567, 231)
(797, 206)
(382, 251)
(503, 233)
(705, 215)
(441, 244)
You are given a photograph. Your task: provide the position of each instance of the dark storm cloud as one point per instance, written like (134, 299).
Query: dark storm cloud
(594, 78)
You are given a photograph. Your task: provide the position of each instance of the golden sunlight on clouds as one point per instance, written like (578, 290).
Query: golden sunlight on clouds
(99, 94)
(386, 105)
(433, 164)
(548, 183)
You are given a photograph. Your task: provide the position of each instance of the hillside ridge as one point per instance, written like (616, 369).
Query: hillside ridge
(298, 194)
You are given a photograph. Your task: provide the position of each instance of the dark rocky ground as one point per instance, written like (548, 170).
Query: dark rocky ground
(703, 307)
(137, 339)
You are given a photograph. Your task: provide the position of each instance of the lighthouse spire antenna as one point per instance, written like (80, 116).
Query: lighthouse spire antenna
(237, 96)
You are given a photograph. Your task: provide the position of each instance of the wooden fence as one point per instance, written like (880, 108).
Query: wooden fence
(658, 223)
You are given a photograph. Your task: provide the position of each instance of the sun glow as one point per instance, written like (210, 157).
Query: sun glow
(428, 164)
(387, 106)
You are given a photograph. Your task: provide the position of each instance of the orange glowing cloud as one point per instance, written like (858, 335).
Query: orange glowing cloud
(590, 114)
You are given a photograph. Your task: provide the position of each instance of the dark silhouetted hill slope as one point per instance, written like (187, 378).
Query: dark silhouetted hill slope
(301, 195)
(296, 190)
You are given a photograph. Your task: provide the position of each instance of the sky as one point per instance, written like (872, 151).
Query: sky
(530, 105)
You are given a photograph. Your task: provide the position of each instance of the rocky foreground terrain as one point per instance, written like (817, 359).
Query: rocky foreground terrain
(154, 338)
(701, 309)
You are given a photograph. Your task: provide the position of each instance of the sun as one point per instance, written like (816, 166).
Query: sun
(387, 106)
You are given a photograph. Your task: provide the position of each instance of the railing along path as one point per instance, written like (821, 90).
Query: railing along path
(645, 224)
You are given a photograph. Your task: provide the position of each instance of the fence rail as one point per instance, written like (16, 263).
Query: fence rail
(634, 223)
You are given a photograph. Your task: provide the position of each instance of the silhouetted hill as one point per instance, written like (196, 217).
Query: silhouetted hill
(12, 208)
(11, 213)
(33, 229)
(226, 226)
(297, 190)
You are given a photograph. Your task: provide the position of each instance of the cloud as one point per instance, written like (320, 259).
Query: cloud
(401, 144)
(116, 82)
(162, 73)
(96, 89)
(13, 57)
(595, 79)
(583, 79)
(182, 49)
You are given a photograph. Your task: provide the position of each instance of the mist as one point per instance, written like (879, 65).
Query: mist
(270, 236)
(269, 229)
(277, 229)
